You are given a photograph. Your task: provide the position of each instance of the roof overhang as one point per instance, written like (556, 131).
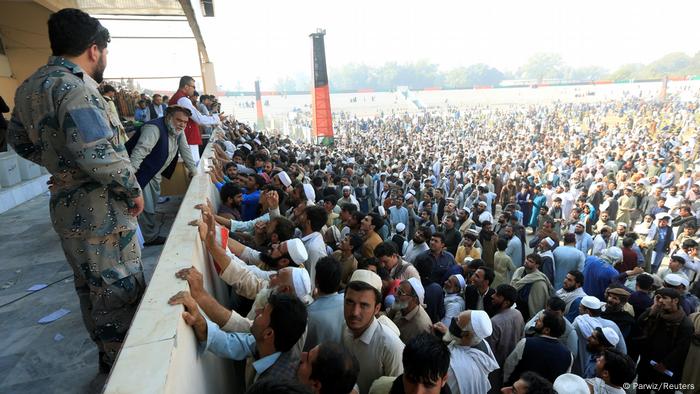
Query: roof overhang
(118, 7)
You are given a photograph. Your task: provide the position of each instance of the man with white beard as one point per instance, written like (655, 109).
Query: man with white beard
(154, 151)
(471, 358)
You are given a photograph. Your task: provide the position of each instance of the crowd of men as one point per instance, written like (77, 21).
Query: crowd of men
(503, 234)
(463, 250)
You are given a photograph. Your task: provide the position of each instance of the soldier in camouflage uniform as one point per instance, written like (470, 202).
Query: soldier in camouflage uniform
(59, 122)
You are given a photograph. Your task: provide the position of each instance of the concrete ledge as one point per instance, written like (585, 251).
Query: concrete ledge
(22, 192)
(160, 352)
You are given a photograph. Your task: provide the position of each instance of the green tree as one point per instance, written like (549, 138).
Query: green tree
(626, 71)
(543, 66)
(671, 64)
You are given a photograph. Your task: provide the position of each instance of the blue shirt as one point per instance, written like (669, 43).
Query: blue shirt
(662, 233)
(236, 346)
(514, 250)
(584, 242)
(566, 258)
(141, 114)
(599, 274)
(441, 265)
(326, 320)
(249, 206)
(398, 215)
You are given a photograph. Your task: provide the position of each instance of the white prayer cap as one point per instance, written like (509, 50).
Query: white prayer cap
(301, 282)
(582, 224)
(367, 276)
(282, 148)
(610, 335)
(673, 280)
(482, 203)
(662, 216)
(348, 188)
(591, 302)
(247, 146)
(309, 192)
(481, 323)
(284, 178)
(400, 227)
(461, 280)
(257, 141)
(297, 250)
(614, 253)
(418, 288)
(408, 195)
(381, 210)
(230, 147)
(549, 241)
(569, 383)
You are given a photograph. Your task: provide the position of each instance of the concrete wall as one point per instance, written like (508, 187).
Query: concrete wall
(26, 40)
(160, 353)
(26, 37)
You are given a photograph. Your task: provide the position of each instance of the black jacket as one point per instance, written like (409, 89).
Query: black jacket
(471, 297)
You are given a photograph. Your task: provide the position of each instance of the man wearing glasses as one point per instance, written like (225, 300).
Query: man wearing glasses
(182, 98)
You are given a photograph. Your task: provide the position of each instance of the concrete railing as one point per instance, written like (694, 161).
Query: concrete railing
(160, 354)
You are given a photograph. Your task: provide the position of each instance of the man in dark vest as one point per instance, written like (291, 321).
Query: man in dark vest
(154, 150)
(156, 109)
(527, 355)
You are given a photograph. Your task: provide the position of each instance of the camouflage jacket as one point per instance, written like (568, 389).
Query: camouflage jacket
(60, 122)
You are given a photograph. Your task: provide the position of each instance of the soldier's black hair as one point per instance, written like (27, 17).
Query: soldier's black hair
(72, 31)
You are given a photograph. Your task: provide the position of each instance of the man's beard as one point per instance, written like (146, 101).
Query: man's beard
(591, 349)
(569, 289)
(98, 72)
(578, 232)
(174, 128)
(269, 260)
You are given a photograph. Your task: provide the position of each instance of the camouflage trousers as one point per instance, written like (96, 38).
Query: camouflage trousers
(110, 283)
